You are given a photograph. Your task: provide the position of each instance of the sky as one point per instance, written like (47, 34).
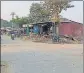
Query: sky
(21, 8)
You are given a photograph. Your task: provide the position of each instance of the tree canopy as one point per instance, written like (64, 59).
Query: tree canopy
(20, 21)
(5, 23)
(42, 12)
(38, 13)
(55, 7)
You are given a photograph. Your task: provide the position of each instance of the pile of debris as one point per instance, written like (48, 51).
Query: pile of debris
(48, 39)
(68, 39)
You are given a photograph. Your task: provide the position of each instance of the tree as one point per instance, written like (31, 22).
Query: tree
(13, 14)
(5, 23)
(55, 7)
(38, 13)
(20, 21)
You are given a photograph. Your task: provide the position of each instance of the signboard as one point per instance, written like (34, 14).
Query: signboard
(30, 25)
(24, 25)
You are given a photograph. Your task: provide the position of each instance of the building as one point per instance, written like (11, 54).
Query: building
(66, 27)
(70, 28)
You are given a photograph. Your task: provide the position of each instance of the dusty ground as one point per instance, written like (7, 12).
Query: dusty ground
(31, 46)
(30, 57)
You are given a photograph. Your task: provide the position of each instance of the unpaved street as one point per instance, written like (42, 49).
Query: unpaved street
(29, 57)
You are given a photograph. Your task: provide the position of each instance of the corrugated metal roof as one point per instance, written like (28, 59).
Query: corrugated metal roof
(67, 20)
(64, 20)
(61, 20)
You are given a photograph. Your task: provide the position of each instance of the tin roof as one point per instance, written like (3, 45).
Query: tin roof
(64, 20)
(61, 20)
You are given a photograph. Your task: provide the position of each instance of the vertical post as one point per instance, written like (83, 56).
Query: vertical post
(52, 32)
(55, 19)
(12, 19)
(41, 29)
(55, 31)
(27, 31)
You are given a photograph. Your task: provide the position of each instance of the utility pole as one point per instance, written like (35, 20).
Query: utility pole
(12, 14)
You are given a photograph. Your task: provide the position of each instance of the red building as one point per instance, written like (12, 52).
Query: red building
(71, 28)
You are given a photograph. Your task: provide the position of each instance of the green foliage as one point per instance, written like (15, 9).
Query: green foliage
(55, 7)
(20, 21)
(38, 13)
(5, 23)
(12, 14)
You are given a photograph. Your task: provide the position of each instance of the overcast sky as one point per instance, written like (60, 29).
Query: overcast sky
(21, 8)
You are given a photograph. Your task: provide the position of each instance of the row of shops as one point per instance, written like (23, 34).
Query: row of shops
(38, 28)
(66, 28)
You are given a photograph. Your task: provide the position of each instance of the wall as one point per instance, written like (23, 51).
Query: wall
(71, 28)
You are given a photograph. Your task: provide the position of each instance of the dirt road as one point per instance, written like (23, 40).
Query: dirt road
(30, 57)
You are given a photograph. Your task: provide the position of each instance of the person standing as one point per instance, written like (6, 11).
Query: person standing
(12, 35)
